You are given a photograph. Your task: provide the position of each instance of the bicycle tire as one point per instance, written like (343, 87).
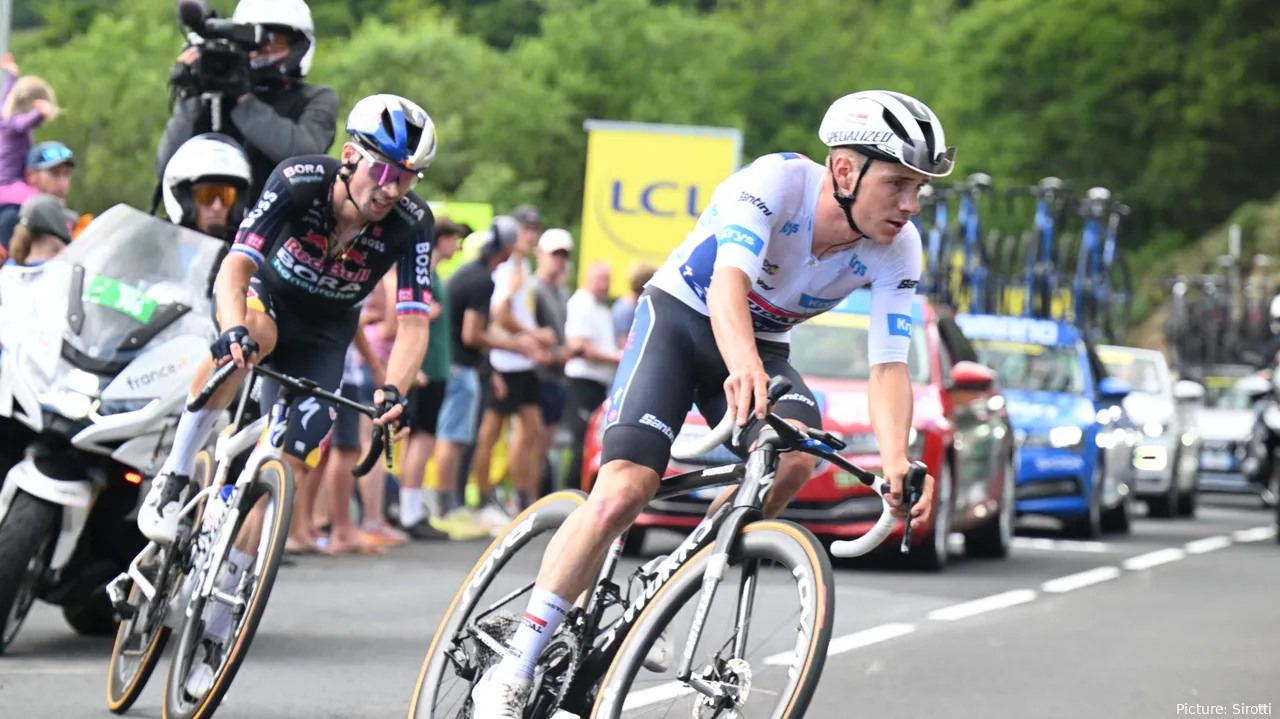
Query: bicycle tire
(791, 545)
(274, 477)
(545, 515)
(122, 692)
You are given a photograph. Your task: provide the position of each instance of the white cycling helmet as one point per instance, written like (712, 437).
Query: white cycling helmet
(293, 15)
(394, 128)
(205, 158)
(889, 126)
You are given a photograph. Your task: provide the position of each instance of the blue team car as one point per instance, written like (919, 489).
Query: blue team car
(1073, 440)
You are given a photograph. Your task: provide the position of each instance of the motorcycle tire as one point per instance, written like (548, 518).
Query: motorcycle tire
(26, 533)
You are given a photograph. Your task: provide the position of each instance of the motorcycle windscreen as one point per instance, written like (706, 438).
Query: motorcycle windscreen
(128, 280)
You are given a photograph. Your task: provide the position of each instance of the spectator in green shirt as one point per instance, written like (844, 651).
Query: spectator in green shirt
(428, 392)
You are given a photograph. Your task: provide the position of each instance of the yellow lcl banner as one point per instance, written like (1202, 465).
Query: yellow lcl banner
(646, 185)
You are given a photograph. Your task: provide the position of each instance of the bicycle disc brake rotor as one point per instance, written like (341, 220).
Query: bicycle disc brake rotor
(735, 677)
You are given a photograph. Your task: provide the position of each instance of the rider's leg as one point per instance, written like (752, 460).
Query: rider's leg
(158, 515)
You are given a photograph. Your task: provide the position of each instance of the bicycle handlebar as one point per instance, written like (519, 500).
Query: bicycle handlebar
(382, 440)
(819, 444)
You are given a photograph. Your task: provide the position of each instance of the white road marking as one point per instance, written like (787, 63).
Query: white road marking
(1208, 544)
(1080, 579)
(57, 669)
(653, 695)
(1060, 545)
(867, 637)
(1153, 559)
(1257, 534)
(985, 604)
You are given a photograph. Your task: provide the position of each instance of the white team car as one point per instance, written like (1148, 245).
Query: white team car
(1225, 424)
(1167, 456)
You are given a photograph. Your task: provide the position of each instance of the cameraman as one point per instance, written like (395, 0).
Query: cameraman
(270, 109)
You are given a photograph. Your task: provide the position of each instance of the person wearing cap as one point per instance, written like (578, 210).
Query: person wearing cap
(470, 291)
(42, 232)
(514, 384)
(48, 171)
(551, 299)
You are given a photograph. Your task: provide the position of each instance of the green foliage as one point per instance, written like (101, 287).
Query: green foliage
(1165, 101)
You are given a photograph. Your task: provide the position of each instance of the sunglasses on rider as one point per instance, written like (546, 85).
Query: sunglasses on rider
(384, 173)
(206, 194)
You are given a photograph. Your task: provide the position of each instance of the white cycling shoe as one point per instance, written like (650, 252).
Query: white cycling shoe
(158, 515)
(499, 695)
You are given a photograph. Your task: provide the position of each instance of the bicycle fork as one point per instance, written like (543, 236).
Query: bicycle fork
(745, 509)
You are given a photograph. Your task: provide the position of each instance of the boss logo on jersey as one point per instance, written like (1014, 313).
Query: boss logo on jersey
(422, 266)
(739, 235)
(301, 169)
(900, 325)
(817, 303)
(790, 228)
(907, 284)
(755, 202)
(409, 208)
(849, 137)
(264, 203)
(375, 245)
(857, 266)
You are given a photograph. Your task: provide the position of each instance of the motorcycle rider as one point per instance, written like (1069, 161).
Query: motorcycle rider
(277, 115)
(206, 185)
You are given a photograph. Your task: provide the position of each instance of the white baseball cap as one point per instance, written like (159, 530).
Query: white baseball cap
(554, 240)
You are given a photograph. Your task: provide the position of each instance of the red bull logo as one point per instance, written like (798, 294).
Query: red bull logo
(360, 257)
(319, 242)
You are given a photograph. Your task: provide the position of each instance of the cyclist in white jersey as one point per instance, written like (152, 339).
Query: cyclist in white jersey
(783, 240)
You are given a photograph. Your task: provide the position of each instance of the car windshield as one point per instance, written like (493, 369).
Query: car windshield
(1033, 367)
(1143, 372)
(1223, 393)
(834, 345)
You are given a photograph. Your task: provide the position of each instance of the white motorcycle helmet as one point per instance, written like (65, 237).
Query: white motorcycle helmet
(889, 127)
(211, 157)
(1275, 315)
(291, 15)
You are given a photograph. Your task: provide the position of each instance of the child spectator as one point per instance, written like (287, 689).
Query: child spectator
(25, 103)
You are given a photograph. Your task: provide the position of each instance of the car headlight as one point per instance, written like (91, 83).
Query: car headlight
(1153, 429)
(1068, 437)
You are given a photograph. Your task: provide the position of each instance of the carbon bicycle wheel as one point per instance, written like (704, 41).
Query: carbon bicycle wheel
(457, 636)
(125, 680)
(273, 482)
(805, 561)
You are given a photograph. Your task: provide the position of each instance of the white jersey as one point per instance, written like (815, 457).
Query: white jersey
(760, 221)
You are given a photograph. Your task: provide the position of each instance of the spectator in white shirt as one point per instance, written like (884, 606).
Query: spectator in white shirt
(589, 333)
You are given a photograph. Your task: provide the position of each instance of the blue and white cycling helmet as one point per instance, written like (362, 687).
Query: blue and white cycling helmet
(394, 128)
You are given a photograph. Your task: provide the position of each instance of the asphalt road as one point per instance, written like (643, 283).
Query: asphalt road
(1176, 613)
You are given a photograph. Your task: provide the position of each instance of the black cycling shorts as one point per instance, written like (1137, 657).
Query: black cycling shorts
(312, 347)
(671, 363)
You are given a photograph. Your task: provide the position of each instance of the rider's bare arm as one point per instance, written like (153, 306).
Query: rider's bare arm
(231, 287)
(412, 336)
(891, 405)
(731, 319)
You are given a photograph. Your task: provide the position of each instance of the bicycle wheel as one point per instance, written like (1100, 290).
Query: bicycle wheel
(273, 482)
(125, 681)
(435, 695)
(804, 561)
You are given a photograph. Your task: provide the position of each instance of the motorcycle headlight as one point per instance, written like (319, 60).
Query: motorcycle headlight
(68, 403)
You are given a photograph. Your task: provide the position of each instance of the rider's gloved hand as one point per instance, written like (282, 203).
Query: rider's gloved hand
(235, 343)
(392, 406)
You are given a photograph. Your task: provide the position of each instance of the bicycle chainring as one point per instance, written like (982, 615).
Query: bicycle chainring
(559, 664)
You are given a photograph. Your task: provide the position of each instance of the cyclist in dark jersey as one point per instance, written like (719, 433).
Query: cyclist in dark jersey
(321, 236)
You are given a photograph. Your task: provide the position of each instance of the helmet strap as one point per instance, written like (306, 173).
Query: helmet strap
(846, 201)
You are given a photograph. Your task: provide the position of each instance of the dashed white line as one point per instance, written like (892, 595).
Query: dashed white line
(1080, 579)
(1062, 545)
(653, 695)
(1153, 559)
(867, 637)
(1208, 544)
(985, 604)
(1257, 534)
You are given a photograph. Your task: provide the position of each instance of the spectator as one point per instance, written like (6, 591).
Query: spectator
(470, 291)
(589, 330)
(550, 302)
(624, 309)
(426, 398)
(42, 231)
(276, 114)
(25, 103)
(514, 383)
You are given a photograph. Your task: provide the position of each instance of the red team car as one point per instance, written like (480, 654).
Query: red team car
(961, 431)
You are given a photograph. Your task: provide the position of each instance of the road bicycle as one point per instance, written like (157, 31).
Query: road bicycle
(937, 259)
(975, 263)
(590, 666)
(1042, 277)
(1114, 286)
(180, 585)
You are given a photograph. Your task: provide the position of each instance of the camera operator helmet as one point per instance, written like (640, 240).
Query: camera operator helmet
(288, 23)
(219, 165)
(1275, 315)
(395, 129)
